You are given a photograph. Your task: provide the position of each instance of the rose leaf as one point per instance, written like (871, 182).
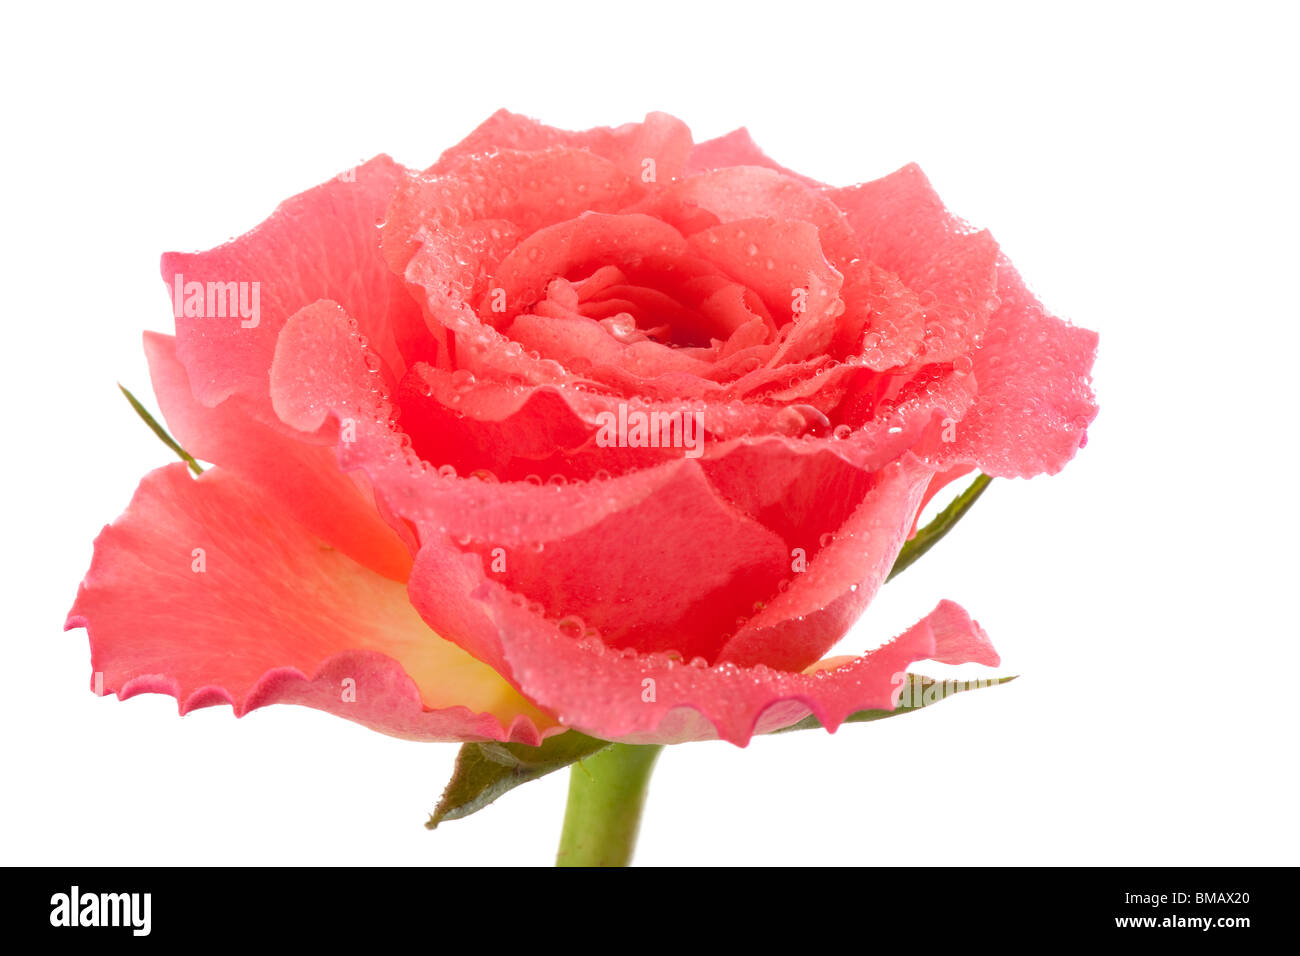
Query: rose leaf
(485, 771)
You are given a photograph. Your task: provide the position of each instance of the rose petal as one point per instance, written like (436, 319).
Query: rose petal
(653, 698)
(802, 623)
(905, 228)
(528, 190)
(803, 498)
(580, 344)
(486, 426)
(462, 256)
(662, 138)
(782, 262)
(752, 192)
(900, 220)
(1035, 398)
(579, 246)
(299, 470)
(665, 564)
(320, 244)
(737, 148)
(269, 605)
(884, 324)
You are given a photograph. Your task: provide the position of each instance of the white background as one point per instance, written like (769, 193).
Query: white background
(1137, 161)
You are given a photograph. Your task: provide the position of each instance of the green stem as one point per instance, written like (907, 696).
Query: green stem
(606, 794)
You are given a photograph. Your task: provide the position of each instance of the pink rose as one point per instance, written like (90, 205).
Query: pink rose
(605, 430)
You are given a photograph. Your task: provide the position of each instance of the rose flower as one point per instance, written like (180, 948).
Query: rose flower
(604, 430)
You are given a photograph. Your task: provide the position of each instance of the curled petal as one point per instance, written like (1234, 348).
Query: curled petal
(1035, 399)
(581, 245)
(205, 591)
(900, 220)
(454, 419)
(580, 343)
(320, 244)
(904, 227)
(783, 263)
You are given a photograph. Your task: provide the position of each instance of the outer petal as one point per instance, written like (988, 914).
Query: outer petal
(900, 220)
(528, 189)
(661, 137)
(320, 244)
(269, 606)
(736, 148)
(652, 698)
(299, 470)
(905, 228)
(1035, 398)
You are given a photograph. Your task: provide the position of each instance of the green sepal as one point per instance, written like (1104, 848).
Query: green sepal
(484, 772)
(943, 522)
(160, 431)
(917, 692)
